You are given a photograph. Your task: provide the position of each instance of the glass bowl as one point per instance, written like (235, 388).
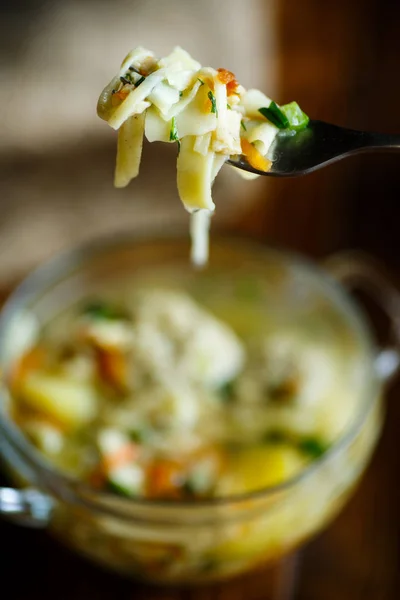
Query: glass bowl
(177, 542)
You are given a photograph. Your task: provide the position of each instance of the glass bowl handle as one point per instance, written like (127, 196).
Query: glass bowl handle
(28, 507)
(358, 271)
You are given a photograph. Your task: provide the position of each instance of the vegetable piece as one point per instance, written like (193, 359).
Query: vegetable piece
(213, 103)
(126, 480)
(165, 479)
(116, 449)
(71, 403)
(274, 114)
(45, 435)
(225, 76)
(33, 360)
(254, 157)
(256, 467)
(227, 391)
(140, 434)
(173, 134)
(313, 447)
(275, 437)
(112, 367)
(102, 310)
(129, 150)
(298, 120)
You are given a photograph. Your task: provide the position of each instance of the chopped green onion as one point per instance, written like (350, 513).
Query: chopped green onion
(213, 102)
(229, 107)
(180, 94)
(298, 120)
(173, 133)
(201, 81)
(274, 114)
(243, 125)
(313, 447)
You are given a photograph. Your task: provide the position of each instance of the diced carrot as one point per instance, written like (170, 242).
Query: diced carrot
(97, 478)
(119, 97)
(33, 360)
(164, 479)
(127, 453)
(231, 87)
(254, 157)
(225, 76)
(113, 368)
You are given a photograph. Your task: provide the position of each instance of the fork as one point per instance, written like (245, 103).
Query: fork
(316, 146)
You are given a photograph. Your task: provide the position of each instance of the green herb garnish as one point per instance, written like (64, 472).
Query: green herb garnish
(298, 120)
(313, 447)
(275, 437)
(213, 102)
(201, 81)
(227, 391)
(125, 81)
(173, 134)
(139, 435)
(117, 489)
(243, 125)
(274, 114)
(139, 81)
(101, 310)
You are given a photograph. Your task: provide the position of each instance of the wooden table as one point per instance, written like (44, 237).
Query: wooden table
(356, 558)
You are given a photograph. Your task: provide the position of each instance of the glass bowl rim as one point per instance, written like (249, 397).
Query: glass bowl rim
(68, 488)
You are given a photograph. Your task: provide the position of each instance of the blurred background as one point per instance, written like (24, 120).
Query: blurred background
(338, 58)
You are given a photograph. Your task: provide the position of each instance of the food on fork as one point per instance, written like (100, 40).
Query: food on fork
(205, 111)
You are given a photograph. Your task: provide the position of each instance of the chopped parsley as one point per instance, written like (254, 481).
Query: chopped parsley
(213, 102)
